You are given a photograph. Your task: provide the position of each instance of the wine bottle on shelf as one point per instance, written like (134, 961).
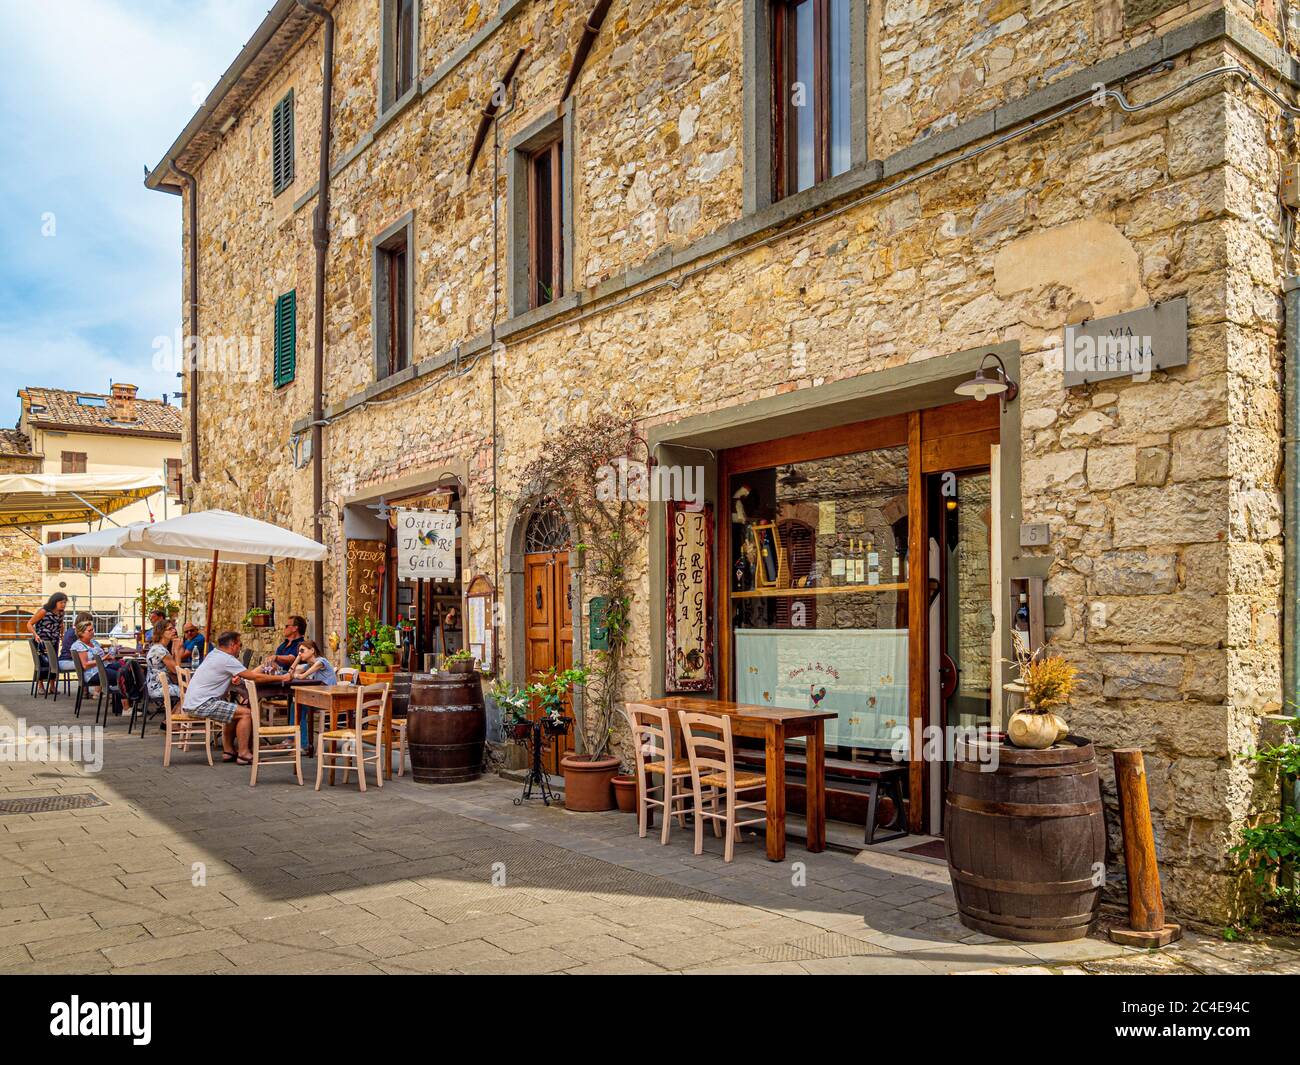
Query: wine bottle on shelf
(873, 563)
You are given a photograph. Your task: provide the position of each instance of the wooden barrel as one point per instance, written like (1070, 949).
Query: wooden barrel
(400, 693)
(445, 727)
(1026, 841)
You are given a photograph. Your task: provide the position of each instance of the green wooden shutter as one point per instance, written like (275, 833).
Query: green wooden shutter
(286, 337)
(282, 145)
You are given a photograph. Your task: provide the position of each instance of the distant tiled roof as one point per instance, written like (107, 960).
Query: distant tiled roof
(68, 410)
(14, 443)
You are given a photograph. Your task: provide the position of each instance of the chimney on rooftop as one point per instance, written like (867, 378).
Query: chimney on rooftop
(121, 404)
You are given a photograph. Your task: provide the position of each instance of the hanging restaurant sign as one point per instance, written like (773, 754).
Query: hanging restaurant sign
(426, 545)
(690, 598)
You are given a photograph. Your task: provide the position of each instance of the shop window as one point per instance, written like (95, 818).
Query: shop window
(541, 220)
(818, 592)
(398, 51)
(73, 461)
(394, 296)
(255, 576)
(805, 92)
(282, 145)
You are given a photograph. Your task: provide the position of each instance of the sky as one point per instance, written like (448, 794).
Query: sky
(92, 91)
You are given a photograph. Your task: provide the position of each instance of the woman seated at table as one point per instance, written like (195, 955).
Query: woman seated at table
(160, 664)
(310, 667)
(88, 649)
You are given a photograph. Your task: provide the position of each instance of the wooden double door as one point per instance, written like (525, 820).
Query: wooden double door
(548, 630)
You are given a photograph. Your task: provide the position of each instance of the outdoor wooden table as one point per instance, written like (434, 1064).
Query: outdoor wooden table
(774, 725)
(335, 699)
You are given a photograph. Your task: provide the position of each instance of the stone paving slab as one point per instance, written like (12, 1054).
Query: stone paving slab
(188, 870)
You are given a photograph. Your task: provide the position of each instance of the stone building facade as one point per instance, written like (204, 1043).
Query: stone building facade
(1012, 168)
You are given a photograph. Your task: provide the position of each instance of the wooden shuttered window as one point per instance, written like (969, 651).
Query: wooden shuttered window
(71, 565)
(74, 461)
(286, 334)
(175, 478)
(282, 145)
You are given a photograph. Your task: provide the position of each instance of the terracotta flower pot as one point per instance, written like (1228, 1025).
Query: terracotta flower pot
(459, 665)
(625, 793)
(372, 677)
(588, 782)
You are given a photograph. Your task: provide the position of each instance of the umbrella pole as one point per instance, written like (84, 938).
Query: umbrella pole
(144, 602)
(212, 593)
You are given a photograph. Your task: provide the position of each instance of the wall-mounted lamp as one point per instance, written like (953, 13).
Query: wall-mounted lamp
(980, 386)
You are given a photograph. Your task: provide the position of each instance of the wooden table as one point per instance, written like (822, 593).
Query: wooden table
(335, 699)
(774, 725)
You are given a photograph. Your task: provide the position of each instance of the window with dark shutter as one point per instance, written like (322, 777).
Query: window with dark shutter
(282, 145)
(546, 224)
(286, 330)
(175, 478)
(74, 461)
(69, 565)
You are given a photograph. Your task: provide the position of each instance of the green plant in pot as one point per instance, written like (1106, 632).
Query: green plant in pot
(1045, 684)
(257, 618)
(160, 598)
(385, 644)
(458, 662)
(514, 706)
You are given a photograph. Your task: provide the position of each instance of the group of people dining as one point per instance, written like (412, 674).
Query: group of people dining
(214, 689)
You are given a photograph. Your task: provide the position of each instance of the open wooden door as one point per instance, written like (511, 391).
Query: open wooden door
(548, 632)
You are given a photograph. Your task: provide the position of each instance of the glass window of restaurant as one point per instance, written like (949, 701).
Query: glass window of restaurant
(818, 592)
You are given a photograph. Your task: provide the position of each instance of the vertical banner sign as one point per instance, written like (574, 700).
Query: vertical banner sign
(426, 545)
(690, 598)
(365, 558)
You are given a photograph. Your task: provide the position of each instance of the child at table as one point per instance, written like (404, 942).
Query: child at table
(310, 667)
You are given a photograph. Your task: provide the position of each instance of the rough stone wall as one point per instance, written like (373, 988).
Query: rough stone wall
(1162, 496)
(21, 566)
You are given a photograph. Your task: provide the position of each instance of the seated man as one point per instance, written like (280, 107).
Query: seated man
(194, 646)
(208, 695)
(287, 653)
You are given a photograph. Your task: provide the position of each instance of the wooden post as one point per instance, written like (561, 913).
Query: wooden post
(144, 605)
(212, 594)
(1146, 909)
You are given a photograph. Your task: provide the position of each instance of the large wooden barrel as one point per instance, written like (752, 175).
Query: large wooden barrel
(1026, 841)
(400, 693)
(445, 727)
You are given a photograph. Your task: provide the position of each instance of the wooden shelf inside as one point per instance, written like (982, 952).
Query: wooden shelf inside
(831, 589)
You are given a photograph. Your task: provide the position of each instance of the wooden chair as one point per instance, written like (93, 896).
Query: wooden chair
(40, 670)
(346, 675)
(397, 730)
(56, 669)
(179, 726)
(84, 687)
(345, 747)
(652, 737)
(713, 765)
(277, 734)
(112, 700)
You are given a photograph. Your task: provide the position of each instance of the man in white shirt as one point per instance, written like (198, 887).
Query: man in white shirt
(208, 695)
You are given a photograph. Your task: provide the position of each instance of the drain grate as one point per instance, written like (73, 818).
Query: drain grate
(49, 804)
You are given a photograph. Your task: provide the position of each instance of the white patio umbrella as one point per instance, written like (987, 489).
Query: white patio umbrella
(220, 536)
(112, 542)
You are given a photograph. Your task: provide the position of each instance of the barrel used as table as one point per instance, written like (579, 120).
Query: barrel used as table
(1026, 840)
(446, 725)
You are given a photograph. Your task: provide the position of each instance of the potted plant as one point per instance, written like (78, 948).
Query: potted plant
(257, 618)
(458, 662)
(513, 704)
(1044, 683)
(625, 788)
(160, 598)
(385, 644)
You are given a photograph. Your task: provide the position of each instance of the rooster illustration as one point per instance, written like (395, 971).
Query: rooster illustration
(816, 694)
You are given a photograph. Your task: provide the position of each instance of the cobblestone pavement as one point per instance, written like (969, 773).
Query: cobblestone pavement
(189, 870)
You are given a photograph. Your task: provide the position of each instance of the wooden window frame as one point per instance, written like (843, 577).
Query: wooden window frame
(549, 156)
(785, 117)
(282, 122)
(73, 461)
(394, 318)
(174, 470)
(399, 55)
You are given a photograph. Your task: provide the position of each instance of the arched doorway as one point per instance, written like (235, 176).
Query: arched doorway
(548, 605)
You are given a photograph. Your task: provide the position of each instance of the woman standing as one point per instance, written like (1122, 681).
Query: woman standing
(46, 625)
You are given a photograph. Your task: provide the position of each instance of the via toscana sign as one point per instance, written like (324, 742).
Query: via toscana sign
(426, 545)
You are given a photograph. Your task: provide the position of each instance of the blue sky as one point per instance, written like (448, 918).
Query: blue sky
(90, 92)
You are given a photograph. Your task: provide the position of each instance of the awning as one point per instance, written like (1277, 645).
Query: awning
(32, 499)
